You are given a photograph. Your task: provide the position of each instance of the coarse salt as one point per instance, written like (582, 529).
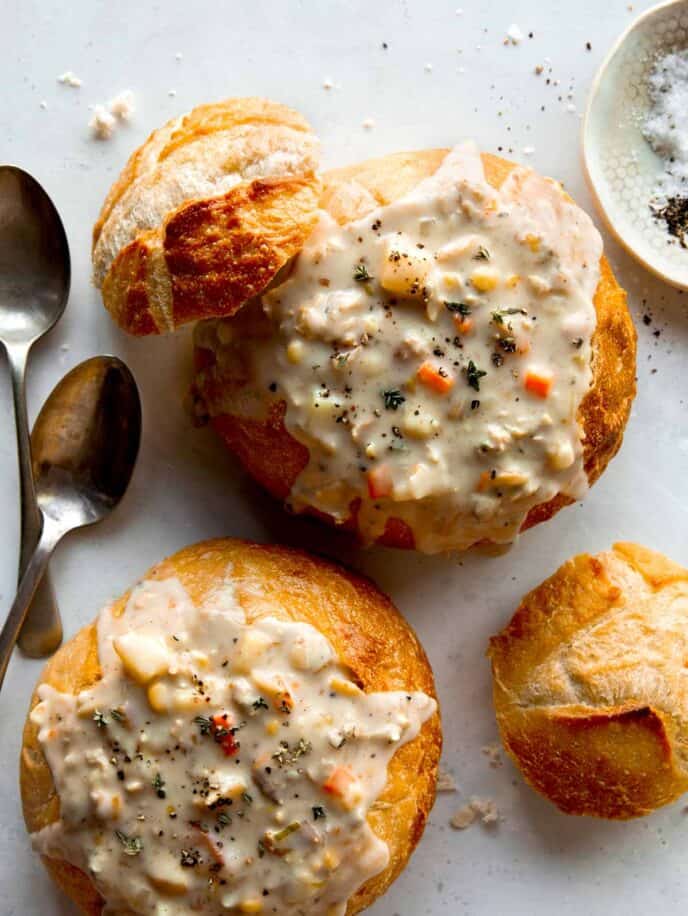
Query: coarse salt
(666, 126)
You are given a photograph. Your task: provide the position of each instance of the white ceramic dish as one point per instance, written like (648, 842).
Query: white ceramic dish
(620, 165)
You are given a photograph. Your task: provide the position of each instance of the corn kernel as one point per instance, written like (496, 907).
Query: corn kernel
(484, 279)
(347, 688)
(513, 280)
(533, 242)
(295, 351)
(159, 698)
(452, 281)
(251, 906)
(272, 727)
(331, 860)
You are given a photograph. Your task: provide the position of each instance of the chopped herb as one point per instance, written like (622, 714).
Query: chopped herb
(259, 704)
(498, 316)
(482, 254)
(361, 273)
(117, 715)
(578, 343)
(287, 756)
(99, 719)
(261, 849)
(318, 812)
(473, 375)
(132, 845)
(204, 723)
(508, 344)
(224, 819)
(393, 399)
(158, 785)
(285, 707)
(286, 831)
(460, 307)
(247, 798)
(189, 858)
(475, 405)
(497, 359)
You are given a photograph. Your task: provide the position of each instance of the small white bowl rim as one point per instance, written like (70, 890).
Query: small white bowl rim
(594, 89)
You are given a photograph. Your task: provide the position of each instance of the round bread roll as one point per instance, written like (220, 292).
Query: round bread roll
(370, 638)
(588, 682)
(205, 213)
(275, 458)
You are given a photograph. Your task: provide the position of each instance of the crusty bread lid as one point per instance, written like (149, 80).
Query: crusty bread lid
(205, 214)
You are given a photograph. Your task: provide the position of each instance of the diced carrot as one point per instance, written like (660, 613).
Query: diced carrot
(380, 481)
(441, 382)
(222, 733)
(538, 382)
(463, 324)
(484, 481)
(338, 782)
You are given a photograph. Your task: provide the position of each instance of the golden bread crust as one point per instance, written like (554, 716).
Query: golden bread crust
(587, 684)
(274, 458)
(363, 626)
(205, 213)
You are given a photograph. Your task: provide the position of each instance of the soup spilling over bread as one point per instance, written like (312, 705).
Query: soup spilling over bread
(219, 765)
(430, 357)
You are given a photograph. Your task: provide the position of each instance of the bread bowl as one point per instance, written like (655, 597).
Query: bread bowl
(236, 647)
(454, 459)
(588, 681)
(256, 417)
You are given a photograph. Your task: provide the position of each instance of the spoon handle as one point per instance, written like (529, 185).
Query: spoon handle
(42, 631)
(30, 581)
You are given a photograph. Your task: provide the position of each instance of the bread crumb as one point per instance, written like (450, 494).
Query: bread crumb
(463, 818)
(122, 106)
(70, 79)
(514, 35)
(368, 124)
(428, 68)
(328, 84)
(43, 104)
(477, 808)
(102, 123)
(445, 782)
(172, 93)
(493, 752)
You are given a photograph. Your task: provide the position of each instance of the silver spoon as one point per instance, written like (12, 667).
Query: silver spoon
(86, 440)
(34, 285)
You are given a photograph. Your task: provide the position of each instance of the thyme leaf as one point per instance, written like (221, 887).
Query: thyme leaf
(473, 375)
(132, 845)
(393, 399)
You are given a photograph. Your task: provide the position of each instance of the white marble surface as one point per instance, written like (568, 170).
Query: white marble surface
(185, 488)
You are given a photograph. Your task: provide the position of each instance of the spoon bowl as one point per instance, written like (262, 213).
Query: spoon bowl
(34, 259)
(86, 441)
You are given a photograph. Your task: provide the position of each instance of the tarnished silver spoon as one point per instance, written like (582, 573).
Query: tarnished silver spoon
(85, 443)
(34, 286)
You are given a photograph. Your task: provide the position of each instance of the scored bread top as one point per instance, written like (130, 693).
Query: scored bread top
(588, 681)
(205, 213)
